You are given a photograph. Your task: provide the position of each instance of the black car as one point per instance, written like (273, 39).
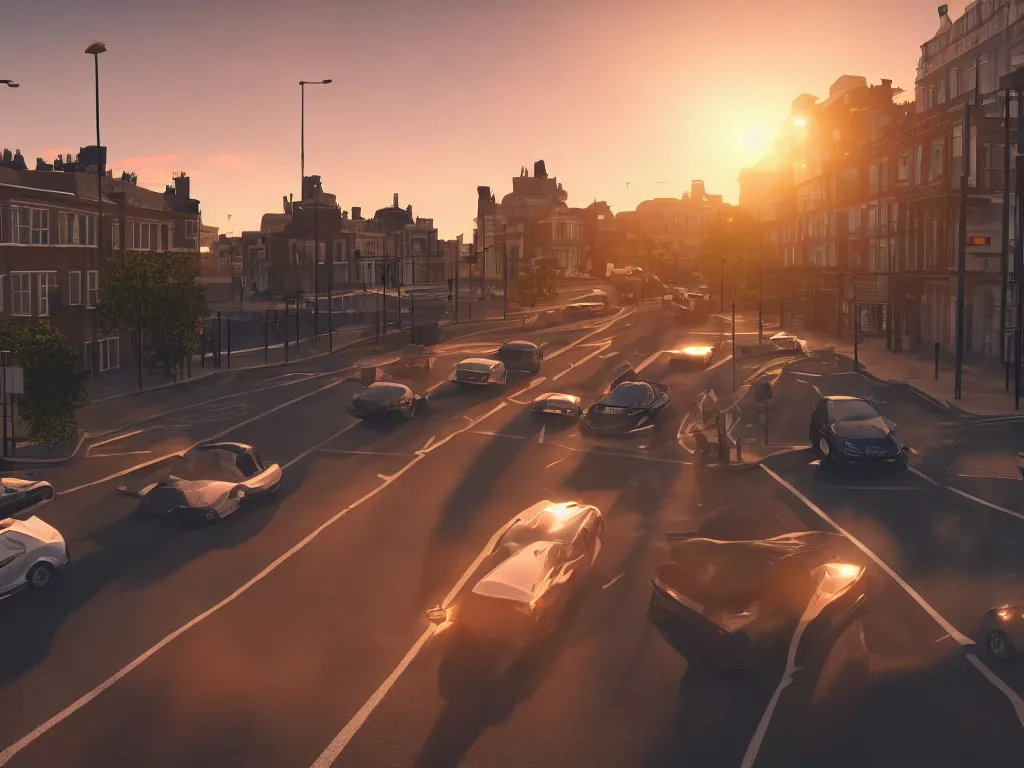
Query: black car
(521, 356)
(20, 498)
(385, 399)
(850, 430)
(736, 602)
(630, 404)
(1004, 631)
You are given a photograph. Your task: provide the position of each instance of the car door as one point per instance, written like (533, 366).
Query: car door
(258, 480)
(819, 418)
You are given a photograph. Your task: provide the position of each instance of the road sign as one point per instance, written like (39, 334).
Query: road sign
(14, 380)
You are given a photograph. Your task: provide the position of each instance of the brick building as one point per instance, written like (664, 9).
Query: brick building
(50, 265)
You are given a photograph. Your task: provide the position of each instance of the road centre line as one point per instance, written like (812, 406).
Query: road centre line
(535, 383)
(966, 495)
(650, 359)
(601, 348)
(319, 446)
(8, 753)
(1015, 701)
(210, 438)
(114, 440)
(115, 455)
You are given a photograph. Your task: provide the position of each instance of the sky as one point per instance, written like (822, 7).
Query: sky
(624, 101)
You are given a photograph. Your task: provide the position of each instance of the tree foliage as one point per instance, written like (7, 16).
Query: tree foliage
(733, 243)
(165, 292)
(653, 257)
(54, 384)
(536, 279)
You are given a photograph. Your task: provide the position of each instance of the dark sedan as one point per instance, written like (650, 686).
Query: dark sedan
(734, 603)
(850, 430)
(631, 404)
(386, 399)
(522, 356)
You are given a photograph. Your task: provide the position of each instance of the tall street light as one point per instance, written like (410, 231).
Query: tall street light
(316, 202)
(95, 50)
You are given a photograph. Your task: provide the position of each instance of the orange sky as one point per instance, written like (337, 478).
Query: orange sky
(431, 99)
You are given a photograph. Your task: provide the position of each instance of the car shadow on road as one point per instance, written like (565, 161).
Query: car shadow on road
(482, 682)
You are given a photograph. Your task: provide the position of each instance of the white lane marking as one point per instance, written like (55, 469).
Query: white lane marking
(925, 477)
(1015, 701)
(428, 443)
(650, 359)
(989, 477)
(804, 373)
(433, 387)
(540, 437)
(114, 440)
(868, 487)
(623, 454)
(340, 452)
(385, 478)
(113, 455)
(605, 586)
(535, 383)
(500, 434)
(345, 735)
(601, 347)
(929, 399)
(816, 390)
(319, 446)
(944, 637)
(966, 495)
(556, 461)
(936, 617)
(207, 439)
(596, 331)
(723, 361)
(7, 754)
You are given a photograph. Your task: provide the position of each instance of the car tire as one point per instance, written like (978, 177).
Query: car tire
(40, 575)
(46, 494)
(999, 645)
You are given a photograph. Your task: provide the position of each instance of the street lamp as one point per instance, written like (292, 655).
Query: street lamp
(95, 50)
(10, 83)
(302, 170)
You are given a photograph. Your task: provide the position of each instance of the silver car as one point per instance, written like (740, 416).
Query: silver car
(480, 372)
(31, 551)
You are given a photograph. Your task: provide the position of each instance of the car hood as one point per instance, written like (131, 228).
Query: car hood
(21, 531)
(862, 428)
(519, 577)
(370, 406)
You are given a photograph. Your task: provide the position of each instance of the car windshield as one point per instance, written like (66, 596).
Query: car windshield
(850, 410)
(517, 346)
(167, 497)
(475, 367)
(383, 394)
(632, 393)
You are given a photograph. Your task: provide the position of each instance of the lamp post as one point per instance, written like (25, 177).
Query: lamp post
(302, 182)
(302, 127)
(95, 50)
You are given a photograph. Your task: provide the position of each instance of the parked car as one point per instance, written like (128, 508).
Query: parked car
(479, 371)
(850, 430)
(31, 552)
(521, 356)
(628, 405)
(1004, 631)
(557, 404)
(21, 497)
(734, 602)
(691, 357)
(386, 399)
(537, 567)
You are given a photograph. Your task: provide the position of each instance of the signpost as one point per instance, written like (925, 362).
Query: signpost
(12, 383)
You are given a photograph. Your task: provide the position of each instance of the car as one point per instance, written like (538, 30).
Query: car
(787, 341)
(538, 565)
(733, 603)
(385, 399)
(522, 356)
(21, 497)
(31, 552)
(850, 430)
(480, 372)
(236, 462)
(557, 404)
(1003, 628)
(691, 357)
(630, 404)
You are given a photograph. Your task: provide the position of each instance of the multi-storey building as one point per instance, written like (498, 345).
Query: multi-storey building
(50, 264)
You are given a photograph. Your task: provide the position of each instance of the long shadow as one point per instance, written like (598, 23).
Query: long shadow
(482, 684)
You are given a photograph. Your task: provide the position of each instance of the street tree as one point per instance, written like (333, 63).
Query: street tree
(162, 294)
(54, 382)
(732, 246)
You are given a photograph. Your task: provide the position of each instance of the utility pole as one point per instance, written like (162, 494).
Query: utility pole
(1018, 255)
(760, 285)
(961, 272)
(856, 329)
(734, 334)
(504, 244)
(316, 266)
(721, 301)
(1003, 351)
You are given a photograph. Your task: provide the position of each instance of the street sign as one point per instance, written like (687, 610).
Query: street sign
(14, 380)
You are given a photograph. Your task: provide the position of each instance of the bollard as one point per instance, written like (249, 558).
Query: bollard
(936, 361)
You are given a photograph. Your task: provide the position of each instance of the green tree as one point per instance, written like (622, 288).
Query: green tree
(652, 257)
(164, 294)
(732, 243)
(54, 384)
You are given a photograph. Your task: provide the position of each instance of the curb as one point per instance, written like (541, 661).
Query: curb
(29, 461)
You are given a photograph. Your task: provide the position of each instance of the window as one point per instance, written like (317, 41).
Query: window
(115, 234)
(918, 152)
(958, 152)
(969, 80)
(883, 171)
(190, 235)
(165, 237)
(47, 281)
(874, 179)
(31, 226)
(170, 237)
(92, 288)
(74, 288)
(903, 166)
(146, 236)
(110, 353)
(954, 82)
(935, 161)
(993, 170)
(942, 92)
(854, 220)
(21, 293)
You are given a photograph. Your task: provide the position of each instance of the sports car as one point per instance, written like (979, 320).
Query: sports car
(31, 551)
(480, 372)
(521, 356)
(630, 404)
(556, 404)
(733, 602)
(21, 496)
(787, 341)
(536, 568)
(386, 398)
(849, 430)
(1004, 631)
(691, 357)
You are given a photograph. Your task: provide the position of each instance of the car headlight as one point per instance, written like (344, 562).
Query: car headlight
(850, 446)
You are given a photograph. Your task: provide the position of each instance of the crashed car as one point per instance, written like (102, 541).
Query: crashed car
(535, 569)
(734, 602)
(787, 342)
(31, 551)
(1004, 631)
(480, 372)
(691, 357)
(522, 356)
(385, 399)
(850, 430)
(21, 496)
(630, 404)
(557, 404)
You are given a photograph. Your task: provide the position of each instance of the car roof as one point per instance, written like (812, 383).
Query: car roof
(518, 577)
(556, 396)
(479, 361)
(547, 521)
(389, 385)
(519, 344)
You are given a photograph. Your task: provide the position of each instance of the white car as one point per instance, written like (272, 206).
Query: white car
(480, 372)
(31, 551)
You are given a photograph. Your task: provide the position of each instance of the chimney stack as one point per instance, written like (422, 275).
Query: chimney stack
(396, 199)
(357, 213)
(181, 187)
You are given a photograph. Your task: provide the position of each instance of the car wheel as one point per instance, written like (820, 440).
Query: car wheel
(40, 575)
(1000, 645)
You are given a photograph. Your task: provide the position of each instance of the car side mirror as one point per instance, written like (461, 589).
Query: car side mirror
(437, 615)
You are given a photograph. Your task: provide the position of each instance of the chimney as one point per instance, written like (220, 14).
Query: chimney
(483, 193)
(357, 212)
(697, 189)
(408, 210)
(396, 199)
(284, 200)
(344, 215)
(181, 187)
(539, 170)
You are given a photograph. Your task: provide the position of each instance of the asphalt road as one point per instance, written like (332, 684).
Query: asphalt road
(294, 632)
